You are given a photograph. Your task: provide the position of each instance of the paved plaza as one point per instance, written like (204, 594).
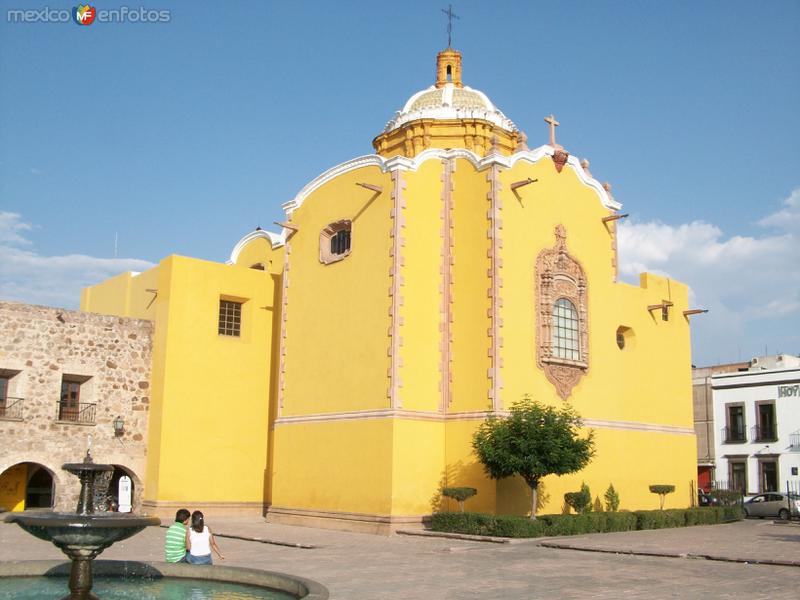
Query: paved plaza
(364, 567)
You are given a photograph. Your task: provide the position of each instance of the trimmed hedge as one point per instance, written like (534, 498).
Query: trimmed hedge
(553, 525)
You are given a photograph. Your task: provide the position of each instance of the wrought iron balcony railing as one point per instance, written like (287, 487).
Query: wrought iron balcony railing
(764, 434)
(11, 408)
(733, 435)
(76, 412)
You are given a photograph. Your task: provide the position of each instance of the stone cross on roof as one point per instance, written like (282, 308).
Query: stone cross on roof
(551, 120)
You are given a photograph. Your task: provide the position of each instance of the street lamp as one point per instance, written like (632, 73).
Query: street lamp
(119, 426)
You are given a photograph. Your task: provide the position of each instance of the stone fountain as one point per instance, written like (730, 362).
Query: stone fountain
(83, 535)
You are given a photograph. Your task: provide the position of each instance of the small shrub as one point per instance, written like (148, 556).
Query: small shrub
(581, 501)
(620, 521)
(662, 491)
(612, 498)
(459, 494)
(731, 513)
(702, 516)
(598, 506)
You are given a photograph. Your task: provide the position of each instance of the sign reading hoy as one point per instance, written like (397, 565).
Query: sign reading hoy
(784, 391)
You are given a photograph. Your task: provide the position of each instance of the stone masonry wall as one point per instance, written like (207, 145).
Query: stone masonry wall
(38, 346)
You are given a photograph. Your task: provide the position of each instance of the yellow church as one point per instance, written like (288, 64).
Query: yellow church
(333, 374)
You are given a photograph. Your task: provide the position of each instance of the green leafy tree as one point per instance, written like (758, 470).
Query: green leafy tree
(662, 491)
(612, 498)
(534, 441)
(460, 494)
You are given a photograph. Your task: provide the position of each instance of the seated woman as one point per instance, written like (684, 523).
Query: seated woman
(200, 541)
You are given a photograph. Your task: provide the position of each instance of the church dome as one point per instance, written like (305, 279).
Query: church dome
(448, 115)
(450, 101)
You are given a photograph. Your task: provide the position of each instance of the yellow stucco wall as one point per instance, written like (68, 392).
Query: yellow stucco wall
(12, 488)
(343, 466)
(470, 302)
(421, 312)
(210, 396)
(338, 317)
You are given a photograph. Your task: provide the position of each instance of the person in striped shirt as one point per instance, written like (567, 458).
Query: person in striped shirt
(175, 545)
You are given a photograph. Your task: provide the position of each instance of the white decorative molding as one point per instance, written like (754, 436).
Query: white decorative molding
(396, 299)
(412, 164)
(275, 240)
(421, 415)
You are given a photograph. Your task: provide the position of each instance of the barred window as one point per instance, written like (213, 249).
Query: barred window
(565, 330)
(334, 242)
(340, 242)
(230, 318)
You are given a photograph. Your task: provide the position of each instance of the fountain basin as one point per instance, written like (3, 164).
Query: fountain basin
(291, 586)
(82, 534)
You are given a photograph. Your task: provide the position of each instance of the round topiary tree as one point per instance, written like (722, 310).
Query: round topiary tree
(460, 494)
(662, 491)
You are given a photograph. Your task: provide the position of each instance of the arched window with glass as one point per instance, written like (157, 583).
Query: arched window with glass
(566, 330)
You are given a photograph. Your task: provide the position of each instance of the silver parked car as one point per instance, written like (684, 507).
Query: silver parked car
(772, 504)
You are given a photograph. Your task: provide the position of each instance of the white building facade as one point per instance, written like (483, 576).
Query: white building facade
(757, 419)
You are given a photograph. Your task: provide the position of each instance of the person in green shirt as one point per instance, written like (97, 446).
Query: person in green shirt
(175, 544)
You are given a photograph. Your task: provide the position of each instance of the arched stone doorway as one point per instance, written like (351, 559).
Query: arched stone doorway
(26, 485)
(113, 488)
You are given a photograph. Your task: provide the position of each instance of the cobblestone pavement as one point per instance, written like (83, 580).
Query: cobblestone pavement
(365, 567)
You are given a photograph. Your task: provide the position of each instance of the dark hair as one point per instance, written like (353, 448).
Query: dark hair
(181, 515)
(197, 521)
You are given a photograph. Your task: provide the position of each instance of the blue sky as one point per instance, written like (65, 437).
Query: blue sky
(180, 137)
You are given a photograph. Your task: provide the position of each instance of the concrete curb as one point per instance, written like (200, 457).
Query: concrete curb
(732, 559)
(471, 537)
(298, 586)
(454, 536)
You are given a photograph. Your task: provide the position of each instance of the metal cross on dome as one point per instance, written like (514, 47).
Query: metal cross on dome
(450, 16)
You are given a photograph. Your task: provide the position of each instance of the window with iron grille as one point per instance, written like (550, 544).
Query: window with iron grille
(340, 242)
(565, 330)
(230, 318)
(335, 242)
(72, 405)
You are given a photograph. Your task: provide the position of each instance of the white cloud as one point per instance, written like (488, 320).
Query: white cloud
(750, 283)
(10, 228)
(27, 276)
(788, 218)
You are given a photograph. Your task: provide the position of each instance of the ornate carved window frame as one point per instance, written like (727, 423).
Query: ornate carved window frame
(326, 256)
(559, 275)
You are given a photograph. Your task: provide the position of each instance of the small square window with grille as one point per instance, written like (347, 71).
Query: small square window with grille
(230, 318)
